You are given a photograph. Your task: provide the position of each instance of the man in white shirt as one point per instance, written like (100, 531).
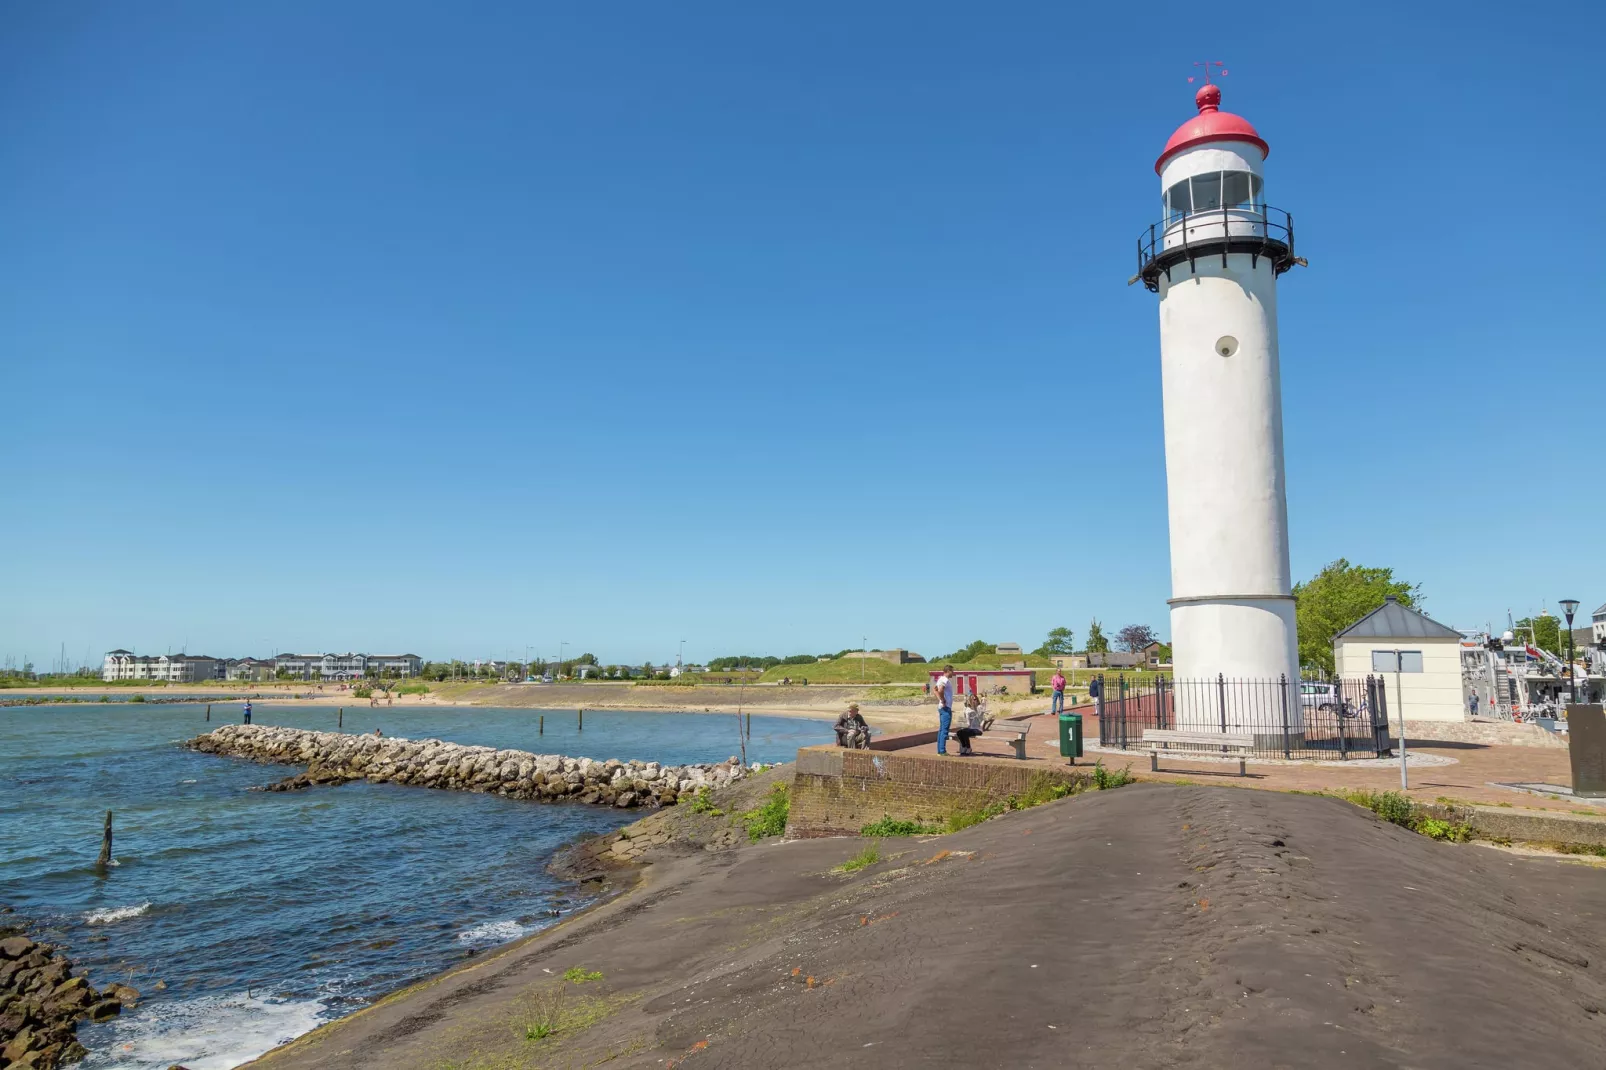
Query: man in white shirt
(944, 687)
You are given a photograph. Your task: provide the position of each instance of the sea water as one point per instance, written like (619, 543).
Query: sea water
(246, 918)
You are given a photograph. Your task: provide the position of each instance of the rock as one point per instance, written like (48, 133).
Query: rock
(15, 947)
(104, 1010)
(626, 799)
(18, 1046)
(125, 994)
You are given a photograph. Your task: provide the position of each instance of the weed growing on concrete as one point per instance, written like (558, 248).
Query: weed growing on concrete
(1397, 809)
(1580, 849)
(889, 826)
(579, 975)
(703, 803)
(769, 818)
(1104, 779)
(967, 814)
(867, 857)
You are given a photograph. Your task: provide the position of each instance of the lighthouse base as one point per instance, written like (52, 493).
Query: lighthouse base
(1248, 644)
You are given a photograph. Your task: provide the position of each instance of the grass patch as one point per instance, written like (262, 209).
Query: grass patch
(889, 826)
(769, 817)
(892, 693)
(1397, 809)
(416, 687)
(703, 803)
(967, 814)
(867, 857)
(578, 975)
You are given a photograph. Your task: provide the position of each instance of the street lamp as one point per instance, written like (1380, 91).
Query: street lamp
(1569, 606)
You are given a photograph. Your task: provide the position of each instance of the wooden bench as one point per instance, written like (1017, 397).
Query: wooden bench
(1013, 732)
(1222, 742)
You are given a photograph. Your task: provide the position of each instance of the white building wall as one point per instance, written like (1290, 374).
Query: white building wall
(1434, 694)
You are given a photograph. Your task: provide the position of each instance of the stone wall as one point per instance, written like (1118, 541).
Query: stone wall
(335, 757)
(1489, 733)
(836, 792)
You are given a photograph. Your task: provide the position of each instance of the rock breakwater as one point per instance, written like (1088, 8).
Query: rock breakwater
(41, 1003)
(337, 757)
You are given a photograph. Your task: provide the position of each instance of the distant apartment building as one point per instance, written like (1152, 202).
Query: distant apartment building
(248, 669)
(346, 666)
(169, 668)
(188, 668)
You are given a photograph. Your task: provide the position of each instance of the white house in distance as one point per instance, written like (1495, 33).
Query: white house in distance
(1597, 623)
(1426, 654)
(173, 668)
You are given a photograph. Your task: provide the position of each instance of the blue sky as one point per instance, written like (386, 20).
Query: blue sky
(380, 325)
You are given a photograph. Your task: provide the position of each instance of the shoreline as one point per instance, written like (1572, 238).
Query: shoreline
(768, 700)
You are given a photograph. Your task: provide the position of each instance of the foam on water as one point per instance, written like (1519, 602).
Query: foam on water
(208, 1033)
(115, 914)
(494, 932)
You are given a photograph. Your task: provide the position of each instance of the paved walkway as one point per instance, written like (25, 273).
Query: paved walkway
(1467, 779)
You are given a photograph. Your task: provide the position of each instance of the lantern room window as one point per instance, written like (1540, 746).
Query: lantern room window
(1214, 189)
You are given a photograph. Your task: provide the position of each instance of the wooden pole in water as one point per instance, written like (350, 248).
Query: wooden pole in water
(105, 844)
(749, 724)
(582, 720)
(208, 711)
(340, 721)
(542, 730)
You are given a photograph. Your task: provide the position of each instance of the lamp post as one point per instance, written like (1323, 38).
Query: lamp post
(1569, 606)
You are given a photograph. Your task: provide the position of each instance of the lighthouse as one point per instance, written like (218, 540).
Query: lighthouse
(1214, 258)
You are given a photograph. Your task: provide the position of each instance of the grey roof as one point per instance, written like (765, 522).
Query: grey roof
(1602, 609)
(1391, 620)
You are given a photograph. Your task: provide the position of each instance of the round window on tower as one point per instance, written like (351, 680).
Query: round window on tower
(1226, 345)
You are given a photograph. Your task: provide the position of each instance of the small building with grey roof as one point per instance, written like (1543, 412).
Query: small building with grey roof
(1419, 658)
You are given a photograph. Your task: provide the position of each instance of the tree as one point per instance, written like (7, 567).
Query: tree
(1544, 631)
(1096, 643)
(1059, 641)
(969, 653)
(1134, 637)
(1338, 596)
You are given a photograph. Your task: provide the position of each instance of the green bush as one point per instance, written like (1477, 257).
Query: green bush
(888, 826)
(137, 698)
(579, 976)
(703, 803)
(1435, 829)
(362, 692)
(769, 818)
(415, 688)
(1104, 779)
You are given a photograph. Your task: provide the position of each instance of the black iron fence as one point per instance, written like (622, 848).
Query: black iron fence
(1336, 719)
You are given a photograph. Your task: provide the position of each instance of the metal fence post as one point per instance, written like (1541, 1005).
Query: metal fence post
(1284, 691)
(1120, 689)
(1221, 699)
(1343, 736)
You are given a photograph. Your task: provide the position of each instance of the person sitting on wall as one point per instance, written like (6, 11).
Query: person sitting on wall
(851, 731)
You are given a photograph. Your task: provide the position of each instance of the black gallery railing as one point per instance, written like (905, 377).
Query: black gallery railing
(1334, 719)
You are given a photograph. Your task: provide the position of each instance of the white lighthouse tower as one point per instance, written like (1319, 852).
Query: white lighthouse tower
(1214, 260)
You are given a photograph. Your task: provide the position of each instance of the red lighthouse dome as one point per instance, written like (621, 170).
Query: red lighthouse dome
(1211, 124)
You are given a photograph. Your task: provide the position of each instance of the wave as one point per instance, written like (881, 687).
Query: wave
(494, 932)
(206, 1033)
(115, 914)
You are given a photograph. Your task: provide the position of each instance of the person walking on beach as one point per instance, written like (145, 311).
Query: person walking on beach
(247, 712)
(944, 686)
(1058, 684)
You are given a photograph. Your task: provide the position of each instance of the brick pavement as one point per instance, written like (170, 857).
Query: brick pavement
(1467, 780)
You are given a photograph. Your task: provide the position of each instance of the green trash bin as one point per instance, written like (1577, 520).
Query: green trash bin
(1070, 735)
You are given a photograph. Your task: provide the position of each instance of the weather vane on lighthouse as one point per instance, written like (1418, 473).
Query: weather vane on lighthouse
(1214, 258)
(1207, 64)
